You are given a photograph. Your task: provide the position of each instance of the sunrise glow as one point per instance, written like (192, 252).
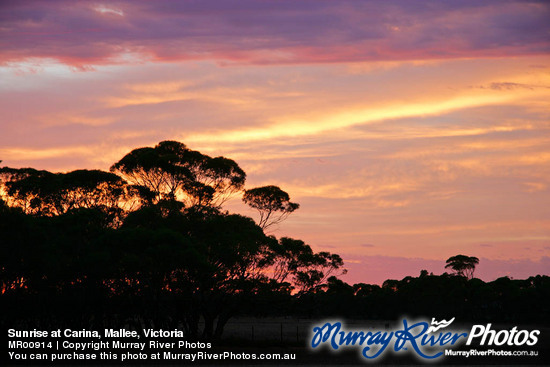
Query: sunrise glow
(406, 138)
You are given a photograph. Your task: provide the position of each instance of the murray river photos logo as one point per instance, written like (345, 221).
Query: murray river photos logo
(428, 341)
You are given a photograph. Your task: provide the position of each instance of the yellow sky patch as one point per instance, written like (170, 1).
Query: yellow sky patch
(327, 121)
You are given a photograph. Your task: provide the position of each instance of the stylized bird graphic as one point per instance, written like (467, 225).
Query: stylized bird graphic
(439, 325)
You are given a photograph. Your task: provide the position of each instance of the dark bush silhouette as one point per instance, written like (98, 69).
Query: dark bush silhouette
(150, 247)
(463, 265)
(153, 247)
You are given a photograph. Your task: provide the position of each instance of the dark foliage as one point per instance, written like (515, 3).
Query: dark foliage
(153, 248)
(149, 247)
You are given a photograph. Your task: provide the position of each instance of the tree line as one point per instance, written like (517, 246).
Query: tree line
(152, 230)
(149, 244)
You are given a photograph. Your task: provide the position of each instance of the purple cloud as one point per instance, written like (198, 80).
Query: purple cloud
(85, 33)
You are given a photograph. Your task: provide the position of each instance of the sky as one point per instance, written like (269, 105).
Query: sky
(409, 131)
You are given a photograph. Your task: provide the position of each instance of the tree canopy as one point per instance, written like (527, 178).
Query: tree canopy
(463, 265)
(45, 193)
(271, 202)
(148, 241)
(172, 171)
(152, 229)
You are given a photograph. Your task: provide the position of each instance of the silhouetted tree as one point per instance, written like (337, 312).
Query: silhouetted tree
(234, 250)
(151, 246)
(174, 172)
(295, 261)
(271, 202)
(46, 193)
(463, 265)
